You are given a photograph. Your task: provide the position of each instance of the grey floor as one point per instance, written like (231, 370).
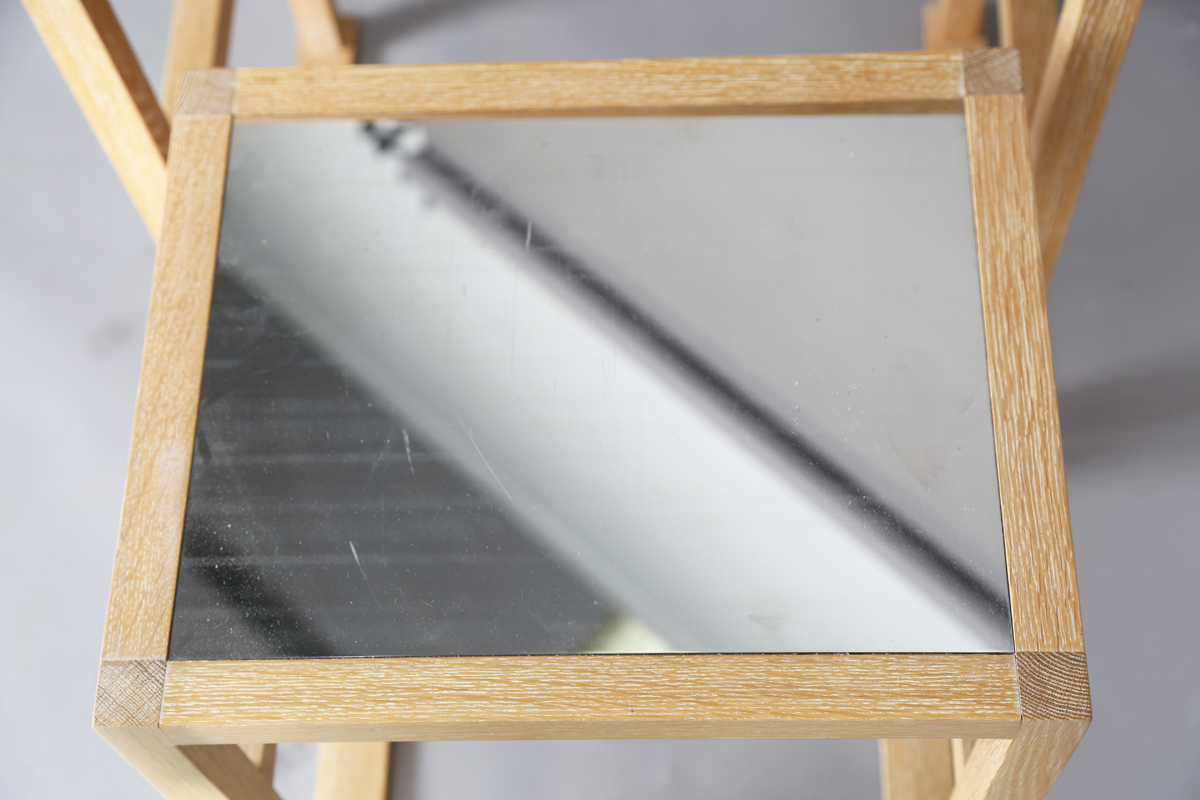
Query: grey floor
(75, 264)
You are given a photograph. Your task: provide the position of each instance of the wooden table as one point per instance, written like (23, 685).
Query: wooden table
(660, 405)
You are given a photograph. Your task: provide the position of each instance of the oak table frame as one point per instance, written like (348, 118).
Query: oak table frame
(179, 722)
(1070, 62)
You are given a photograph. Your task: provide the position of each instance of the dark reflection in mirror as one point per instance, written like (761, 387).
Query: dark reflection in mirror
(320, 525)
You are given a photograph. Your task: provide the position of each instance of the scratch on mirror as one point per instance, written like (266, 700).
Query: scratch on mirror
(363, 572)
(408, 450)
(484, 458)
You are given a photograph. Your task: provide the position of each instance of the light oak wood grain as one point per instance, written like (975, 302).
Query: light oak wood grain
(916, 769)
(1033, 494)
(1028, 25)
(322, 37)
(1056, 710)
(1047, 627)
(1023, 768)
(103, 73)
(792, 84)
(353, 771)
(953, 25)
(143, 586)
(230, 772)
(1054, 686)
(199, 40)
(651, 696)
(1081, 70)
(128, 696)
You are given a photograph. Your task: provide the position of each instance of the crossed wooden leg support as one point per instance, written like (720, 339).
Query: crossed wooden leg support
(94, 56)
(1069, 65)
(1056, 710)
(322, 37)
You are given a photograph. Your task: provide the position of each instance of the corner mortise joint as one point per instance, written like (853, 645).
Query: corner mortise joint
(1054, 685)
(996, 70)
(129, 693)
(206, 93)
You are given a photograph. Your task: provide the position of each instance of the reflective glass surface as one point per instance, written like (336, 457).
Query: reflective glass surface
(595, 385)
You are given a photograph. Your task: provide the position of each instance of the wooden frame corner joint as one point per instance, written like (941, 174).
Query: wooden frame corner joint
(992, 71)
(129, 693)
(127, 713)
(1053, 685)
(207, 93)
(199, 39)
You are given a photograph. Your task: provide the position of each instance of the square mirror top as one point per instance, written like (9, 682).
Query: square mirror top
(595, 385)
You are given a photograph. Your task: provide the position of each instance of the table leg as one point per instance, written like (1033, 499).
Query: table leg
(103, 72)
(1080, 72)
(916, 769)
(322, 37)
(128, 699)
(193, 772)
(353, 771)
(1023, 768)
(1028, 25)
(961, 751)
(199, 40)
(953, 24)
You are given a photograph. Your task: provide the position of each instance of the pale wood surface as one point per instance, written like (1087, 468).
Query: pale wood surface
(953, 25)
(199, 40)
(143, 586)
(1023, 768)
(1033, 494)
(322, 38)
(960, 750)
(794, 84)
(128, 697)
(1081, 70)
(230, 772)
(1056, 709)
(353, 771)
(103, 73)
(652, 696)
(1047, 627)
(916, 769)
(164, 765)
(1028, 25)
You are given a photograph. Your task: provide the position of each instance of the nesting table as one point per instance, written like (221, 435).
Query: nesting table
(684, 398)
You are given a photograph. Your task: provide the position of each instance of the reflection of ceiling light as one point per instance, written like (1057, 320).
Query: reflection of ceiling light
(625, 634)
(414, 140)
